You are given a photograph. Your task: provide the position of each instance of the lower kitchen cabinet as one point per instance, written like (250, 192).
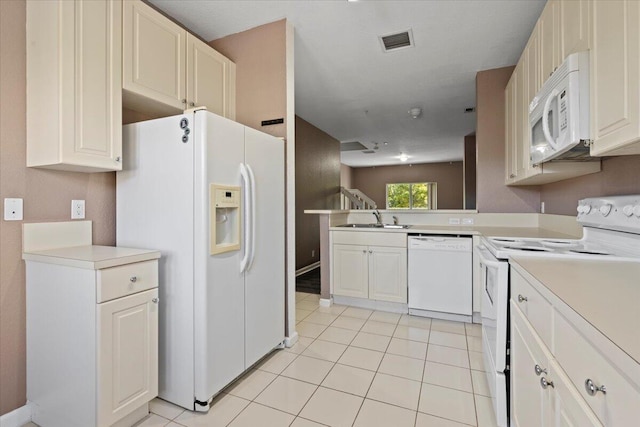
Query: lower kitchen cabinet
(373, 271)
(92, 335)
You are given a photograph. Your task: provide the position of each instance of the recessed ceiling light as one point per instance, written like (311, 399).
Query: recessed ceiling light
(403, 157)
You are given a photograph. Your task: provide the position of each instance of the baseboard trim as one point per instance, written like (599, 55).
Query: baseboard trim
(290, 341)
(18, 417)
(325, 302)
(308, 268)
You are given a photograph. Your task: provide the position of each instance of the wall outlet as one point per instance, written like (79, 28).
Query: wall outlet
(454, 221)
(467, 221)
(541, 207)
(77, 209)
(13, 209)
(313, 253)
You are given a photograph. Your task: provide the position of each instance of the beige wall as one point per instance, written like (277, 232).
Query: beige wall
(619, 176)
(318, 184)
(47, 197)
(492, 194)
(346, 176)
(261, 84)
(372, 181)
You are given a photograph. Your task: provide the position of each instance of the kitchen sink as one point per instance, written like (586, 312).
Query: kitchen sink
(373, 225)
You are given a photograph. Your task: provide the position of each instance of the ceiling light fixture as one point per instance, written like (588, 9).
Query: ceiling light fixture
(415, 112)
(403, 157)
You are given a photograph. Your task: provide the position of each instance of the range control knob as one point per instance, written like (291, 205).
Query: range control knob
(636, 210)
(628, 210)
(586, 209)
(605, 209)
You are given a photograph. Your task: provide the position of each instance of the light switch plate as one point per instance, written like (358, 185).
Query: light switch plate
(77, 209)
(454, 221)
(467, 221)
(13, 210)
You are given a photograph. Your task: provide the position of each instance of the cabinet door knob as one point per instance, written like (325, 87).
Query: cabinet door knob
(118, 159)
(133, 279)
(592, 389)
(192, 104)
(155, 300)
(539, 370)
(184, 101)
(544, 383)
(364, 251)
(370, 252)
(521, 298)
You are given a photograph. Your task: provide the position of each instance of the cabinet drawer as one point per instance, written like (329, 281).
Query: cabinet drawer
(581, 360)
(116, 282)
(371, 238)
(534, 306)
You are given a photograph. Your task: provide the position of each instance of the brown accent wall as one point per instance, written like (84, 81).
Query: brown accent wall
(317, 186)
(619, 176)
(47, 197)
(372, 181)
(492, 194)
(261, 90)
(470, 172)
(346, 176)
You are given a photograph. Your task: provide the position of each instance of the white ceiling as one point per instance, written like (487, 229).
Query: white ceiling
(346, 85)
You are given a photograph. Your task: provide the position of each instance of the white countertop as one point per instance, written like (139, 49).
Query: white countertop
(469, 230)
(605, 293)
(92, 257)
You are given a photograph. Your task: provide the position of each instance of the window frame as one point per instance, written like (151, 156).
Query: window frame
(432, 192)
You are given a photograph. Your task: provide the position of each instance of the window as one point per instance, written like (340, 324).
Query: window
(421, 195)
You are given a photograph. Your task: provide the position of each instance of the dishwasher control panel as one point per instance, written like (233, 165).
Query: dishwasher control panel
(444, 243)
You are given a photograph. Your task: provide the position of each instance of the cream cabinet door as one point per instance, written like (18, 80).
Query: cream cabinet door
(510, 129)
(74, 85)
(568, 408)
(388, 274)
(350, 271)
(521, 120)
(529, 401)
(127, 355)
(153, 56)
(615, 77)
(209, 74)
(549, 33)
(574, 26)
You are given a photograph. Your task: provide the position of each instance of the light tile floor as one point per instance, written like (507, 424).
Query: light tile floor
(355, 367)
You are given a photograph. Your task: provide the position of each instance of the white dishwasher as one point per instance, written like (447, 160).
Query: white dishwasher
(440, 276)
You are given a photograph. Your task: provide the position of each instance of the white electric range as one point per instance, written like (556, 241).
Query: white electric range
(611, 230)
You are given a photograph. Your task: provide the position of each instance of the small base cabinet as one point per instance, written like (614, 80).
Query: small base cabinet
(92, 338)
(371, 265)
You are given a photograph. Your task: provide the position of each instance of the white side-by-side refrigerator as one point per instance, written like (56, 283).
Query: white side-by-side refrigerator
(209, 193)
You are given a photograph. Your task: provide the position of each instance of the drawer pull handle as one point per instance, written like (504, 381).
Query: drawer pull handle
(544, 383)
(592, 389)
(133, 279)
(521, 298)
(155, 300)
(539, 370)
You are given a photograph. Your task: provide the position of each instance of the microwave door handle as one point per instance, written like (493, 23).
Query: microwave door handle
(545, 121)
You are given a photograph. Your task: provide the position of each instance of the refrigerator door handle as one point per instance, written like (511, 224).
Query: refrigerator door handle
(252, 209)
(246, 216)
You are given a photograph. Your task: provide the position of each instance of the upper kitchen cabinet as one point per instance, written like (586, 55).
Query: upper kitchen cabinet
(167, 70)
(549, 34)
(74, 86)
(574, 26)
(615, 78)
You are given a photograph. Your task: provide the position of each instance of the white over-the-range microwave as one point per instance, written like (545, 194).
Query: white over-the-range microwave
(559, 113)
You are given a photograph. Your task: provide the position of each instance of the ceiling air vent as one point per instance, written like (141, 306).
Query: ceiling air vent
(368, 152)
(352, 146)
(396, 41)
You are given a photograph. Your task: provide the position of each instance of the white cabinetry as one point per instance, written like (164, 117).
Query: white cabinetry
(370, 265)
(167, 70)
(556, 355)
(92, 335)
(74, 85)
(615, 77)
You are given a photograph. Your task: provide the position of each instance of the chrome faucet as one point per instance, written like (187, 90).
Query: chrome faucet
(378, 216)
(395, 220)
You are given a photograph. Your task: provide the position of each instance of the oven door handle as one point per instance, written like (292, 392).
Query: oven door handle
(482, 250)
